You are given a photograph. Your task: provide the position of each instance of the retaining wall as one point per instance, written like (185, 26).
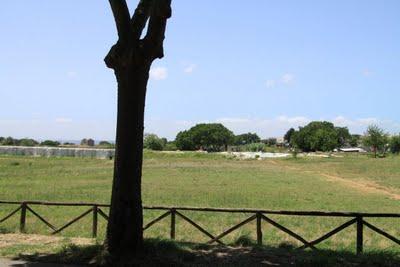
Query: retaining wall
(58, 152)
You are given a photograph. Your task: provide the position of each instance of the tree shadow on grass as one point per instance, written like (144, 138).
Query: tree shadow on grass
(168, 253)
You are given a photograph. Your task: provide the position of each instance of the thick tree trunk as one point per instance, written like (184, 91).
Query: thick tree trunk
(124, 232)
(131, 59)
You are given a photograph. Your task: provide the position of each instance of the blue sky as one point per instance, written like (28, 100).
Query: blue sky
(259, 65)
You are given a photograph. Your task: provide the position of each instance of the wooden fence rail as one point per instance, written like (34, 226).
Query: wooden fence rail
(173, 212)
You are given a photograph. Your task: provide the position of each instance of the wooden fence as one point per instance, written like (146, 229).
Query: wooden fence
(259, 216)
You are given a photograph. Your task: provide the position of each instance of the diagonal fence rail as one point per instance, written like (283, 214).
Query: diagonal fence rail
(259, 216)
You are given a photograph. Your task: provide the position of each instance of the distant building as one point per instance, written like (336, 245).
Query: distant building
(280, 140)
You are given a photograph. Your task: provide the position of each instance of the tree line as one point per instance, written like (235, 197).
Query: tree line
(10, 141)
(214, 137)
(316, 136)
(325, 136)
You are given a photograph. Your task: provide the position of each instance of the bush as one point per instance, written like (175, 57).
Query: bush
(105, 144)
(49, 143)
(153, 142)
(271, 142)
(256, 147)
(245, 139)
(9, 141)
(170, 146)
(395, 144)
(28, 142)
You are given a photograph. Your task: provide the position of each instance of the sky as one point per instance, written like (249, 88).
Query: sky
(256, 66)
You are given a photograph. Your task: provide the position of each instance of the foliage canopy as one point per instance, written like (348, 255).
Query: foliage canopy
(208, 136)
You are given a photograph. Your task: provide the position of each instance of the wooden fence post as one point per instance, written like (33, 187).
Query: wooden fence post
(173, 216)
(359, 235)
(259, 230)
(94, 226)
(22, 221)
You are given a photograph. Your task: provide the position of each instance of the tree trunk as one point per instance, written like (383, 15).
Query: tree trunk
(124, 232)
(131, 59)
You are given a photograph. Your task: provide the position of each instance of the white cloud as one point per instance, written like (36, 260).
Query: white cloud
(270, 83)
(158, 73)
(190, 68)
(287, 78)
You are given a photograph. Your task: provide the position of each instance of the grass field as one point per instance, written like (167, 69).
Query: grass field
(348, 183)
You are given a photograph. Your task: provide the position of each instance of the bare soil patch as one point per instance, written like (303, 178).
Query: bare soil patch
(9, 240)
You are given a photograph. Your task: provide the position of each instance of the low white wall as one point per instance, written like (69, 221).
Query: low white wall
(58, 152)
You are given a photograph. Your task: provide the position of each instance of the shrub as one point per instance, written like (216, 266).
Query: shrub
(153, 142)
(170, 146)
(49, 143)
(256, 147)
(395, 144)
(9, 141)
(28, 142)
(248, 138)
(106, 144)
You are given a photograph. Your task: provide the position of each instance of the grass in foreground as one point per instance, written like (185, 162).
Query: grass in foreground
(194, 179)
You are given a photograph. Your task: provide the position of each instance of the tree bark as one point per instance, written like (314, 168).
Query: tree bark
(131, 59)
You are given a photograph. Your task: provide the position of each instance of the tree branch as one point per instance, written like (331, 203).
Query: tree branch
(160, 12)
(122, 19)
(140, 17)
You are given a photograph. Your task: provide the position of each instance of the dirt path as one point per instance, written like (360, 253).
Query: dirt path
(364, 186)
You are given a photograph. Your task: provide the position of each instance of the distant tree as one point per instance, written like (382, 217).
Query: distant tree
(170, 146)
(316, 136)
(105, 144)
(247, 138)
(1, 140)
(288, 135)
(375, 138)
(271, 141)
(210, 137)
(153, 142)
(184, 141)
(49, 143)
(87, 142)
(28, 142)
(90, 142)
(164, 141)
(355, 140)
(9, 141)
(343, 135)
(68, 144)
(395, 144)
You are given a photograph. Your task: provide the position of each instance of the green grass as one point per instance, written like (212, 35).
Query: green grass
(195, 179)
